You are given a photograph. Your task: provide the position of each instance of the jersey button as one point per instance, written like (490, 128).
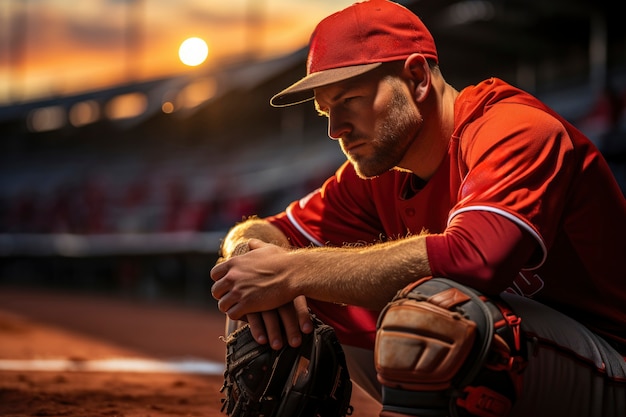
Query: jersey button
(410, 211)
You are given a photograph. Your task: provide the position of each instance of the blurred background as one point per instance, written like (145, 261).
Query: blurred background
(127, 151)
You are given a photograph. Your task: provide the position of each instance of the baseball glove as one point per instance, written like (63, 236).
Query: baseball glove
(311, 380)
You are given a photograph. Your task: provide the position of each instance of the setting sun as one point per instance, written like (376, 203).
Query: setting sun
(193, 51)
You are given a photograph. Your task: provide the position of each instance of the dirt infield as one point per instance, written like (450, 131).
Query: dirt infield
(78, 355)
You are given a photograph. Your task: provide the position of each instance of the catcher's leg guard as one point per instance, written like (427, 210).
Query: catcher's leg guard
(444, 350)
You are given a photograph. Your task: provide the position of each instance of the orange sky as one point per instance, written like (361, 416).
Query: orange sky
(75, 46)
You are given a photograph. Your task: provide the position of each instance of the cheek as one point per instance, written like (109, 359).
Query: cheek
(382, 104)
(393, 101)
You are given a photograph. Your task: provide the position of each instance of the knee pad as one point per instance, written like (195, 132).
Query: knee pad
(443, 349)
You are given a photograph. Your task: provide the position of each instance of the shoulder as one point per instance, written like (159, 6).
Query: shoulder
(500, 103)
(513, 118)
(495, 114)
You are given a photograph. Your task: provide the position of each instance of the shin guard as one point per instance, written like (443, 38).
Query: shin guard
(444, 350)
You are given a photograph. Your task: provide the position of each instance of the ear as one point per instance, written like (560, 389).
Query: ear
(416, 66)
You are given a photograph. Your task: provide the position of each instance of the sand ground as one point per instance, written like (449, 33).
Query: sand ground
(83, 355)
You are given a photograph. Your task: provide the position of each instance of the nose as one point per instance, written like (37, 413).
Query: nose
(337, 127)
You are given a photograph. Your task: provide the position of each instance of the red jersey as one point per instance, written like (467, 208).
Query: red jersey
(509, 156)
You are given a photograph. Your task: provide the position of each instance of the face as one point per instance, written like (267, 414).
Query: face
(374, 120)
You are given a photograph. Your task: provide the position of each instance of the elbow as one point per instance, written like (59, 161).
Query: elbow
(489, 268)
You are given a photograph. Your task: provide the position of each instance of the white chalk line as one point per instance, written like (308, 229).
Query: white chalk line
(183, 366)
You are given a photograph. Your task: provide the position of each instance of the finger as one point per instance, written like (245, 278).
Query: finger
(291, 324)
(228, 305)
(218, 271)
(219, 289)
(303, 313)
(256, 244)
(273, 328)
(257, 328)
(223, 305)
(215, 292)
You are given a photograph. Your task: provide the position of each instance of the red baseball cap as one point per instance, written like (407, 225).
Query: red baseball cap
(356, 40)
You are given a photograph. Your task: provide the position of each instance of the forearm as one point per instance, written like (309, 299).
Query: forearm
(236, 240)
(367, 276)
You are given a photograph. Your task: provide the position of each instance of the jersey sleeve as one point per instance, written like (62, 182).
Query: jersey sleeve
(517, 162)
(341, 207)
(481, 249)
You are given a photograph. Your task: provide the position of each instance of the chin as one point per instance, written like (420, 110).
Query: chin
(367, 173)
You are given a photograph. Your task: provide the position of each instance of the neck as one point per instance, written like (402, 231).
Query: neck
(431, 145)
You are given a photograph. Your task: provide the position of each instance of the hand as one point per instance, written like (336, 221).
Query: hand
(288, 321)
(253, 282)
(252, 285)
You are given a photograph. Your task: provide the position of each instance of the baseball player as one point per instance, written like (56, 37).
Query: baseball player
(486, 188)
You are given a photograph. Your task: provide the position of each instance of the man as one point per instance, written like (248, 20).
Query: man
(486, 187)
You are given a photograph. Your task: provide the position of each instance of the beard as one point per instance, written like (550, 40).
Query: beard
(392, 138)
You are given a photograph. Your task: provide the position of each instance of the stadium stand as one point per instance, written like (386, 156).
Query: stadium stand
(98, 197)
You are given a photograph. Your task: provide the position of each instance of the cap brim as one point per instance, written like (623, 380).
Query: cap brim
(302, 90)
